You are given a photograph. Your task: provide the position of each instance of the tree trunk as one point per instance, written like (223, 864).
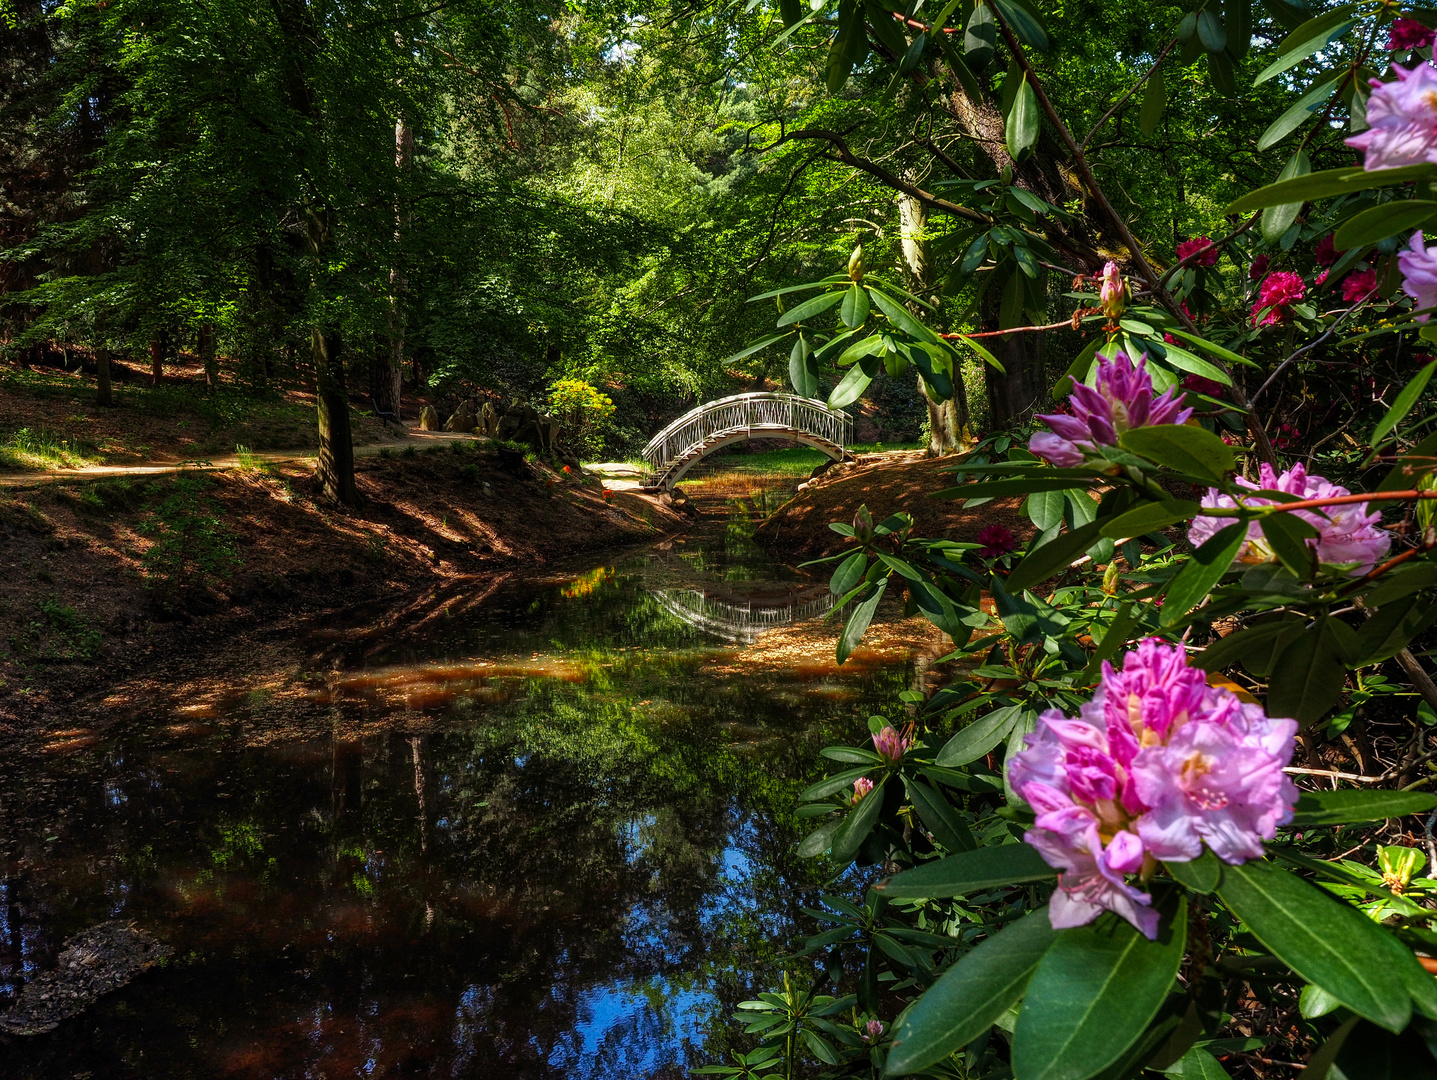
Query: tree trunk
(207, 356)
(336, 444)
(386, 370)
(946, 419)
(157, 366)
(1015, 393)
(103, 394)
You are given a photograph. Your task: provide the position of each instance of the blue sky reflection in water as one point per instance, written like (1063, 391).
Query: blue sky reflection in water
(546, 834)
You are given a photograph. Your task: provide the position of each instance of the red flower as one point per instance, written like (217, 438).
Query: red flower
(1357, 285)
(1195, 245)
(1407, 34)
(1321, 279)
(1279, 292)
(1258, 268)
(996, 541)
(1326, 253)
(1200, 385)
(566, 468)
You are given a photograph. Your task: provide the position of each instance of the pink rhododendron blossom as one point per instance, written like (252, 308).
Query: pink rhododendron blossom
(1321, 279)
(1203, 244)
(1403, 120)
(1408, 34)
(1121, 399)
(1158, 764)
(1347, 534)
(1113, 294)
(1419, 273)
(1258, 268)
(861, 787)
(1358, 285)
(1199, 384)
(890, 744)
(996, 541)
(1280, 290)
(873, 1030)
(1326, 253)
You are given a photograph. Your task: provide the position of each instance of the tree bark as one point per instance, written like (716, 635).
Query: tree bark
(386, 370)
(103, 393)
(207, 356)
(946, 419)
(1015, 393)
(157, 365)
(336, 443)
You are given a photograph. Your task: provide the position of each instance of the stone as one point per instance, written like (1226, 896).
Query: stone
(428, 419)
(462, 421)
(488, 419)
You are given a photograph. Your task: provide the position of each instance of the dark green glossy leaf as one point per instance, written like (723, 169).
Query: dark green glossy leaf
(854, 828)
(1345, 807)
(848, 48)
(1024, 23)
(1322, 939)
(858, 621)
(972, 871)
(1210, 31)
(1326, 183)
(855, 306)
(971, 995)
(1287, 535)
(1241, 645)
(849, 573)
(1405, 400)
(1204, 570)
(945, 825)
(980, 37)
(1150, 516)
(1094, 993)
(1309, 673)
(1306, 40)
(1202, 874)
(1197, 1064)
(1054, 556)
(979, 737)
(757, 346)
(1276, 220)
(1190, 450)
(811, 307)
(1155, 100)
(1384, 220)
(850, 388)
(1021, 129)
(801, 374)
(1392, 627)
(1402, 581)
(1301, 111)
(833, 785)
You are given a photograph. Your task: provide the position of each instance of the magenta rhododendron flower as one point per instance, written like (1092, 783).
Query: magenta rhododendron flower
(1347, 534)
(1194, 246)
(1358, 285)
(1419, 273)
(1154, 767)
(1403, 119)
(1258, 268)
(861, 787)
(873, 1030)
(890, 744)
(1407, 34)
(1121, 399)
(1326, 253)
(1279, 292)
(996, 541)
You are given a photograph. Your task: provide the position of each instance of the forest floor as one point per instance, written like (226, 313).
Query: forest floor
(152, 578)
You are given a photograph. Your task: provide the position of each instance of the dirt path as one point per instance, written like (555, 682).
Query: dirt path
(219, 462)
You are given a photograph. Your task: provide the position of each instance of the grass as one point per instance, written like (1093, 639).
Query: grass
(36, 449)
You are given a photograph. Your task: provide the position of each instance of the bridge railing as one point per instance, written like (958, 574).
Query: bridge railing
(761, 411)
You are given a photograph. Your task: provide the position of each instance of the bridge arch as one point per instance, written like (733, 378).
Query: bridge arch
(716, 424)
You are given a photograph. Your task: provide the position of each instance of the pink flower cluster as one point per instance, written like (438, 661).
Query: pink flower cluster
(1408, 34)
(1258, 268)
(890, 744)
(1347, 534)
(1154, 767)
(1203, 244)
(997, 541)
(1360, 284)
(1280, 290)
(861, 787)
(1121, 399)
(1419, 272)
(1326, 253)
(1403, 120)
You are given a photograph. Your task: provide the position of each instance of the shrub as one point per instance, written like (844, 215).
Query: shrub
(192, 546)
(583, 412)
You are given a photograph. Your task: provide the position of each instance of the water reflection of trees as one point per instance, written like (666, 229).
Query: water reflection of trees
(577, 855)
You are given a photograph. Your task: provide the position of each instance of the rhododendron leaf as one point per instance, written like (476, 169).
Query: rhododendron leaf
(1406, 399)
(1208, 347)
(849, 46)
(1411, 466)
(1197, 1064)
(900, 317)
(1373, 1054)
(1211, 31)
(858, 621)
(1203, 874)
(1045, 509)
(1307, 39)
(980, 37)
(971, 995)
(1053, 556)
(1144, 519)
(1021, 129)
(1392, 626)
(1326, 183)
(757, 346)
(802, 373)
(1301, 111)
(854, 828)
(942, 821)
(1309, 673)
(818, 841)
(1276, 220)
(1190, 450)
(1386, 219)
(1402, 581)
(1195, 365)
(855, 306)
(1155, 100)
(1247, 645)
(849, 574)
(850, 388)
(1024, 22)
(972, 871)
(1205, 569)
(809, 308)
(1345, 807)
(1287, 535)
(1324, 940)
(834, 784)
(1094, 993)
(975, 740)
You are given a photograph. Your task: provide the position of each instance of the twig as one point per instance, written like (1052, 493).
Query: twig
(1136, 86)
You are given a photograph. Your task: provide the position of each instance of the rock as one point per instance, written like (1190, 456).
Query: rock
(462, 421)
(428, 419)
(93, 962)
(488, 419)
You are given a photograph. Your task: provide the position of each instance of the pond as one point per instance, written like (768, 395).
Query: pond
(548, 833)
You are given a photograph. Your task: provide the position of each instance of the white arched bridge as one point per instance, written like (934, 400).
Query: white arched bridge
(716, 424)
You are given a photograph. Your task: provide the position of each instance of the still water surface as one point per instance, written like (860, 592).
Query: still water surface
(547, 835)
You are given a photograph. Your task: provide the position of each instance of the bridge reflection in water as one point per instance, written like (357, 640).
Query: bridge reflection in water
(737, 611)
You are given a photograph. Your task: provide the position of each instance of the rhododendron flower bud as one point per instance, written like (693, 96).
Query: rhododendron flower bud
(1156, 765)
(873, 1030)
(1203, 244)
(861, 787)
(1358, 285)
(1113, 295)
(1402, 119)
(1419, 273)
(1346, 533)
(890, 744)
(855, 264)
(1121, 399)
(1408, 34)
